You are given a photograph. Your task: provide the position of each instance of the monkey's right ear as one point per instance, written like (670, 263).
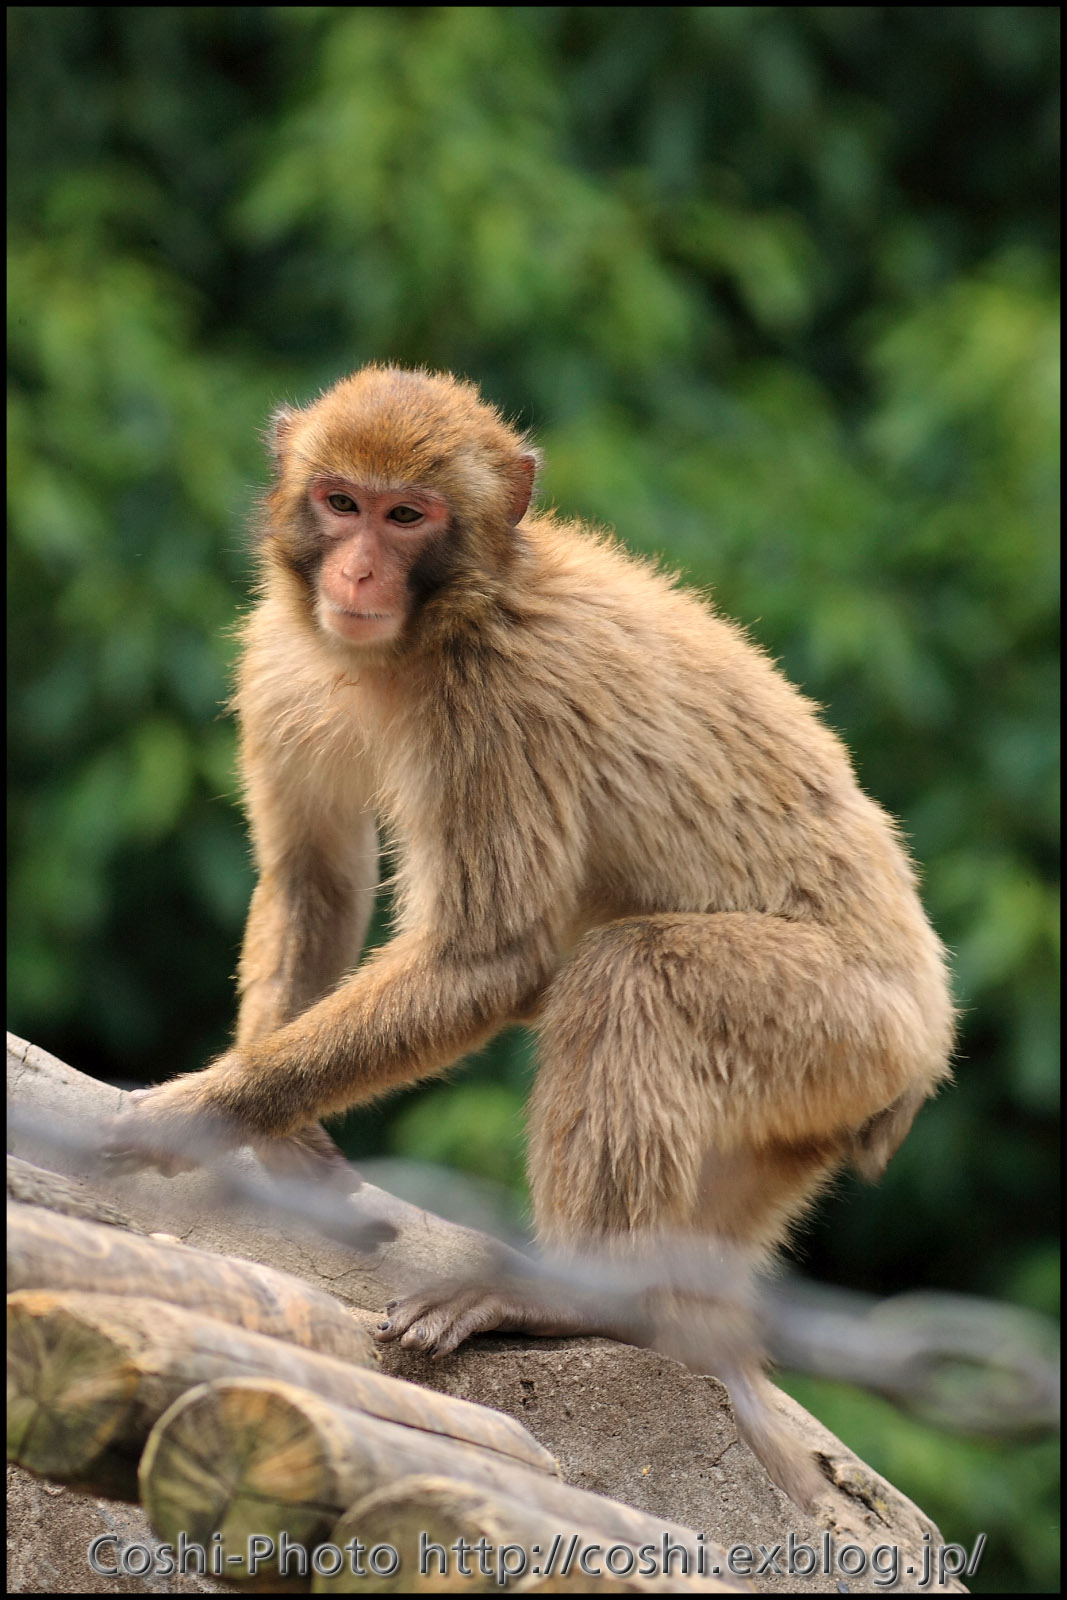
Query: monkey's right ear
(279, 431)
(527, 468)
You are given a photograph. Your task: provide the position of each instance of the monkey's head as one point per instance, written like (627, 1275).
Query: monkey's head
(395, 490)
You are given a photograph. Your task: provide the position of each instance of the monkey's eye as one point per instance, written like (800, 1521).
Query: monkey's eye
(341, 502)
(405, 514)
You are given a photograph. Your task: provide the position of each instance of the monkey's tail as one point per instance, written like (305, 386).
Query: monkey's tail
(789, 1463)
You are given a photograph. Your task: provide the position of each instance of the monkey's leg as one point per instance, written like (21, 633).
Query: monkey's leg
(623, 1120)
(707, 1070)
(700, 1075)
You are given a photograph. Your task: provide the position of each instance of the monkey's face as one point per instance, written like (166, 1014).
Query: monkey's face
(373, 543)
(393, 491)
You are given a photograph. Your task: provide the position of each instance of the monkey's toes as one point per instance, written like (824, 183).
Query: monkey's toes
(435, 1326)
(402, 1315)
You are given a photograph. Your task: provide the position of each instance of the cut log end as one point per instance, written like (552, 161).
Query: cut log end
(237, 1462)
(70, 1391)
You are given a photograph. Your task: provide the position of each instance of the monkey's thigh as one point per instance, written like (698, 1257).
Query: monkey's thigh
(706, 1071)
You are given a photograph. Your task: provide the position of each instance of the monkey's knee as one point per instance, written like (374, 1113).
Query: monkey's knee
(877, 1141)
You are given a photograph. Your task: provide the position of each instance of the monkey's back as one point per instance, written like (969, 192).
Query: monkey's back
(705, 780)
(604, 727)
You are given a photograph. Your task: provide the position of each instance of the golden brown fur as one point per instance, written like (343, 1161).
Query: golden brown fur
(612, 816)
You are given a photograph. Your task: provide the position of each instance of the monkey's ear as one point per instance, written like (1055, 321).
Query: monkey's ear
(526, 472)
(279, 431)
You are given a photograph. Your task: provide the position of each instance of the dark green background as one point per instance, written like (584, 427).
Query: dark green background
(776, 289)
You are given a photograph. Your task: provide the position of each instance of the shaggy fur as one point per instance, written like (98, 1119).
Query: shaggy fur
(610, 815)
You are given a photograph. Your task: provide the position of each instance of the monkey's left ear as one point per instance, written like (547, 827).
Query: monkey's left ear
(526, 472)
(279, 431)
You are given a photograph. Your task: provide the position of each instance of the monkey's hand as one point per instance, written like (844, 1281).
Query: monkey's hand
(185, 1124)
(310, 1154)
(173, 1128)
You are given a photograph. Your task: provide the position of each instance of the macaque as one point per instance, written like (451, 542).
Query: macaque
(613, 819)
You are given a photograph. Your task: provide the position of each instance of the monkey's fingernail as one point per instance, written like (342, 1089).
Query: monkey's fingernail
(391, 1305)
(383, 1327)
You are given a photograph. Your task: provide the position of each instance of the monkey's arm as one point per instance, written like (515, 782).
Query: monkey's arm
(409, 1011)
(306, 924)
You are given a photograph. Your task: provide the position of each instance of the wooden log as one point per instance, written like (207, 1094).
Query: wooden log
(425, 1249)
(585, 1386)
(36, 1186)
(90, 1374)
(249, 1458)
(49, 1251)
(508, 1543)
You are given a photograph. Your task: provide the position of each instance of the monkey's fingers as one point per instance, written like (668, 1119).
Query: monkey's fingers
(122, 1160)
(310, 1154)
(129, 1147)
(148, 1132)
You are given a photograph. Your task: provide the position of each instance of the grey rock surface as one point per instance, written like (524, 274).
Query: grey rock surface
(628, 1423)
(50, 1529)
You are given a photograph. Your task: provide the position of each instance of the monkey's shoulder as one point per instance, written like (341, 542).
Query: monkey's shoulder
(582, 578)
(634, 642)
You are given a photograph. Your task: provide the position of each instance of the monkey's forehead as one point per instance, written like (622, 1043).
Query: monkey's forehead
(391, 419)
(386, 428)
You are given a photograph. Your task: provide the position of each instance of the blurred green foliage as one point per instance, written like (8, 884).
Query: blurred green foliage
(776, 287)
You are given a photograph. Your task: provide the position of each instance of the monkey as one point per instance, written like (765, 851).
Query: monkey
(613, 819)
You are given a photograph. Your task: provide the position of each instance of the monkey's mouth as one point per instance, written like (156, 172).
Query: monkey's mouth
(357, 627)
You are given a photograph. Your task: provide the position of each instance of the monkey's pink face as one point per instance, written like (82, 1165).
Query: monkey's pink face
(373, 539)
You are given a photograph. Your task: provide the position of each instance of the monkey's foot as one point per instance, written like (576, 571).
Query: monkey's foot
(438, 1320)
